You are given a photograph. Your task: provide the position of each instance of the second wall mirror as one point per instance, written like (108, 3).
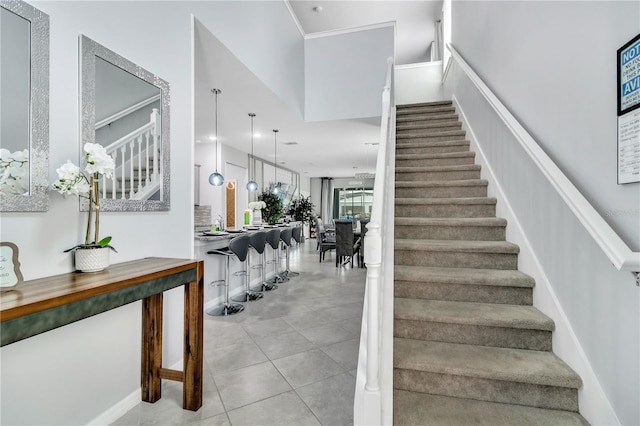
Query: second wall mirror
(125, 108)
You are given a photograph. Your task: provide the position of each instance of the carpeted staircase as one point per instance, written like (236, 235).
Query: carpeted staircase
(468, 346)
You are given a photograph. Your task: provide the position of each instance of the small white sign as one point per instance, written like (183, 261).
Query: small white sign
(10, 274)
(629, 147)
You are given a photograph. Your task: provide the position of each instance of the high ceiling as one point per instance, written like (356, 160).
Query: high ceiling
(414, 21)
(332, 148)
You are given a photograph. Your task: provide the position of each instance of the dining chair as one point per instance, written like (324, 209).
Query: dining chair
(326, 241)
(347, 246)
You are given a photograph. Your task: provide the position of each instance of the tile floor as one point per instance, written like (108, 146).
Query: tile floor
(287, 359)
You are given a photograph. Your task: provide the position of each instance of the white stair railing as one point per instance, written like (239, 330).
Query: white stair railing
(374, 383)
(140, 147)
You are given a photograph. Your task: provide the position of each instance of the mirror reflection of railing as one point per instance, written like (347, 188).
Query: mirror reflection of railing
(24, 117)
(125, 108)
(136, 155)
(374, 381)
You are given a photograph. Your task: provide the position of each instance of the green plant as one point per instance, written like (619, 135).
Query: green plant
(273, 210)
(301, 209)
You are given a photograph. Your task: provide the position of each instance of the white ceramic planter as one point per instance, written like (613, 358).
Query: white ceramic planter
(257, 218)
(92, 259)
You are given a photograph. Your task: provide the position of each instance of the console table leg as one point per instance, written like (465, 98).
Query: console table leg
(151, 348)
(193, 342)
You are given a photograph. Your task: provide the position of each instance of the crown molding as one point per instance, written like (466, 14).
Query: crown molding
(295, 18)
(351, 30)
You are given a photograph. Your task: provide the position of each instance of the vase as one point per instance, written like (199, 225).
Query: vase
(257, 218)
(92, 259)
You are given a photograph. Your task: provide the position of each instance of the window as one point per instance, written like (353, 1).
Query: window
(352, 203)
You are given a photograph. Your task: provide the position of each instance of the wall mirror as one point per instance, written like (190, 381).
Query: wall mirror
(24, 107)
(125, 108)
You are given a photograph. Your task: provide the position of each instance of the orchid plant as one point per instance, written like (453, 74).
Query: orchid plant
(14, 172)
(85, 184)
(257, 205)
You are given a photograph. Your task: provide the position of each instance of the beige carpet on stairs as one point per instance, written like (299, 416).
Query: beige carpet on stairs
(469, 347)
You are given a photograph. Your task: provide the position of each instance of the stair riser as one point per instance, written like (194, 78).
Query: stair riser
(503, 337)
(416, 136)
(456, 259)
(486, 389)
(403, 112)
(431, 126)
(445, 210)
(414, 118)
(442, 192)
(426, 162)
(464, 292)
(433, 148)
(436, 232)
(438, 175)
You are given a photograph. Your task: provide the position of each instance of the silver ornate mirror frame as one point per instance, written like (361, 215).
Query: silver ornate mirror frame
(38, 198)
(89, 50)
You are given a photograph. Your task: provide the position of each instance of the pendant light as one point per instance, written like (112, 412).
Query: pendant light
(274, 190)
(216, 179)
(252, 185)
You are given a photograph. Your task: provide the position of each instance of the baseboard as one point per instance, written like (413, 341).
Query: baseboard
(593, 402)
(122, 407)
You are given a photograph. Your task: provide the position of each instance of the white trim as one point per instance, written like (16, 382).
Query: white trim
(118, 410)
(593, 402)
(611, 244)
(419, 65)
(351, 30)
(295, 18)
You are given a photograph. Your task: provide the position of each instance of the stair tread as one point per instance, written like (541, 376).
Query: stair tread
(450, 221)
(472, 313)
(465, 276)
(438, 183)
(412, 408)
(471, 246)
(431, 123)
(430, 133)
(425, 104)
(456, 167)
(418, 117)
(432, 144)
(440, 155)
(504, 364)
(453, 200)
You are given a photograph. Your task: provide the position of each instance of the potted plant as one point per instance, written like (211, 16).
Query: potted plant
(273, 209)
(92, 255)
(301, 209)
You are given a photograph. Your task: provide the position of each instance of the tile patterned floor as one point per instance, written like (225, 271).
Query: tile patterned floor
(287, 359)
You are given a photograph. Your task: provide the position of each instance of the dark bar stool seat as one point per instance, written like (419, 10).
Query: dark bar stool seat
(239, 247)
(258, 241)
(273, 238)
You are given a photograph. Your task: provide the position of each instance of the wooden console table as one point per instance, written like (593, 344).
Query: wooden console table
(37, 306)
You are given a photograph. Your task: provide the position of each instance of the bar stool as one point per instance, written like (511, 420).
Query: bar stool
(273, 238)
(248, 295)
(285, 237)
(258, 241)
(238, 246)
(297, 234)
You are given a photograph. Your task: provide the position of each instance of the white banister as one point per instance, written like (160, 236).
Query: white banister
(622, 257)
(142, 145)
(373, 397)
(133, 108)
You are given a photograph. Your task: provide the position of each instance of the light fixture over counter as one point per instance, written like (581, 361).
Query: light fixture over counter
(252, 185)
(216, 178)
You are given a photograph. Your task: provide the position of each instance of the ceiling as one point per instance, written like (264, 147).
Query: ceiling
(338, 148)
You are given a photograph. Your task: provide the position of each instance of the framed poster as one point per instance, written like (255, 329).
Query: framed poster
(629, 76)
(629, 147)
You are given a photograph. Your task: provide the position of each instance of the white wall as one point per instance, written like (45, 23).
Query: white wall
(416, 83)
(567, 102)
(344, 74)
(72, 374)
(527, 52)
(262, 35)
